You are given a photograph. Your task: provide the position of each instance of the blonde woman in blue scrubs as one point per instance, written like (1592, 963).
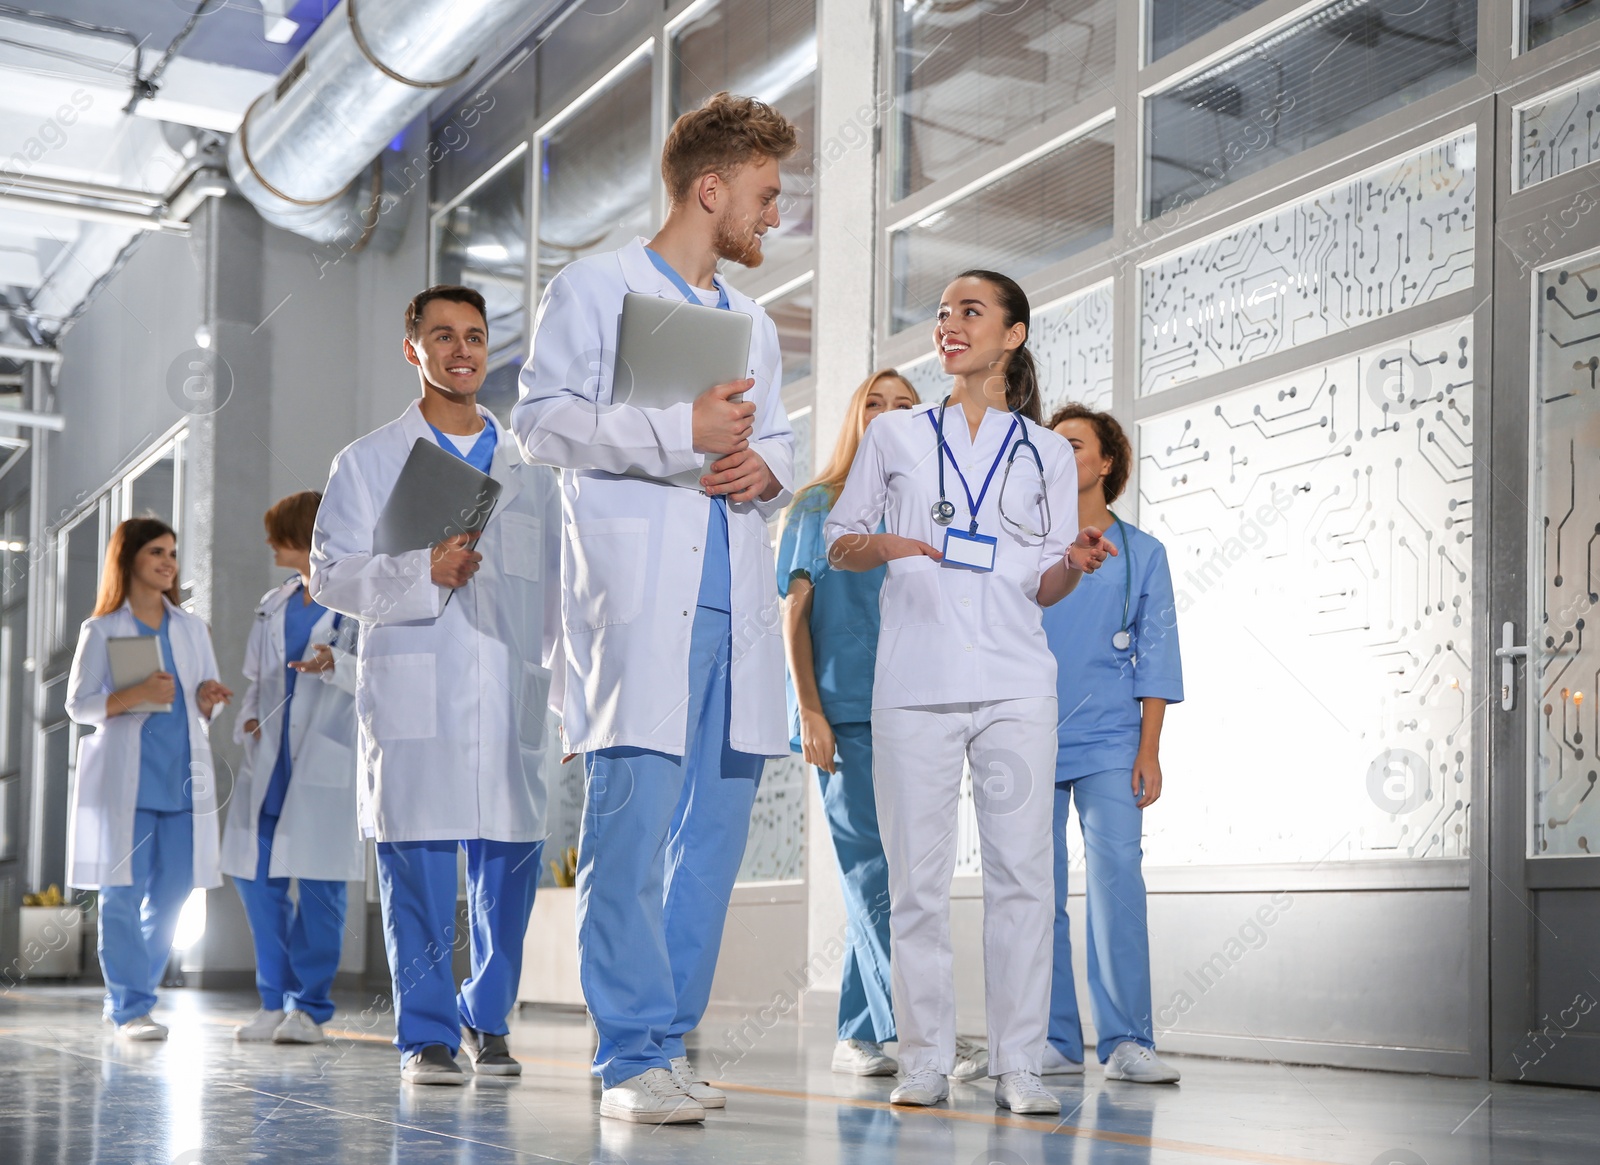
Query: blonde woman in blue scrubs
(830, 623)
(1116, 638)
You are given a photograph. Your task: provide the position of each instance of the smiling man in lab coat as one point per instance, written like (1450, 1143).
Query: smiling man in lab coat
(450, 697)
(672, 640)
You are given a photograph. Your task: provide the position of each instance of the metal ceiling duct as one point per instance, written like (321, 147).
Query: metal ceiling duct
(302, 150)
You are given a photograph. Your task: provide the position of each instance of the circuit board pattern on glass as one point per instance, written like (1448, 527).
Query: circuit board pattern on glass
(1564, 658)
(1388, 239)
(1319, 530)
(1558, 132)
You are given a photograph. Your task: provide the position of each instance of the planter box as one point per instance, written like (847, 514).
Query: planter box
(550, 951)
(51, 942)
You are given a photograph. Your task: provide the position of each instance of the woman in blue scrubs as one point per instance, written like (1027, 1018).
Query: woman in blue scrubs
(1119, 632)
(143, 818)
(830, 620)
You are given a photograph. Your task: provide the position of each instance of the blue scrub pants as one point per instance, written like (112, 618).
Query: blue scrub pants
(1119, 937)
(417, 881)
(658, 852)
(137, 922)
(866, 1010)
(297, 948)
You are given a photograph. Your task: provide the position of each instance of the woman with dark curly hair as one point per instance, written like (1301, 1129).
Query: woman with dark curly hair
(1119, 632)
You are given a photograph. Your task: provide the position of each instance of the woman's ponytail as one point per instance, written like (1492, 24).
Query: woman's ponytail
(1022, 373)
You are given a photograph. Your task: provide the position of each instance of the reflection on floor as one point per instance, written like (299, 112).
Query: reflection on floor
(70, 1093)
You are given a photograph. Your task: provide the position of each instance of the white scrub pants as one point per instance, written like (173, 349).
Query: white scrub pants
(917, 757)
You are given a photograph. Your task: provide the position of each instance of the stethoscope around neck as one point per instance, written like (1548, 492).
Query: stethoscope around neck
(944, 510)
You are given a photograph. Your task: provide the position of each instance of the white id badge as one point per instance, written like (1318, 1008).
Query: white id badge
(973, 551)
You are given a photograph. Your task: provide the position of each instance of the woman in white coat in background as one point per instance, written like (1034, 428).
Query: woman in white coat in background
(293, 810)
(979, 509)
(143, 823)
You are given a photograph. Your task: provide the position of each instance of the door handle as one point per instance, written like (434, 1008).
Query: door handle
(1508, 653)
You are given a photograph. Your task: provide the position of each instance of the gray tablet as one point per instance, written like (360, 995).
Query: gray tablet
(437, 496)
(670, 351)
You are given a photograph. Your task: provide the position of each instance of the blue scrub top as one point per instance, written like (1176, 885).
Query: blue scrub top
(1098, 687)
(716, 572)
(299, 617)
(164, 785)
(844, 615)
(480, 456)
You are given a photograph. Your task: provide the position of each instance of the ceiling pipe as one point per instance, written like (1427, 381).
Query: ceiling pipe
(70, 207)
(370, 69)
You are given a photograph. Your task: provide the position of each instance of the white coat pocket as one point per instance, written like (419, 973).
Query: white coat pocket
(912, 596)
(522, 545)
(402, 693)
(602, 579)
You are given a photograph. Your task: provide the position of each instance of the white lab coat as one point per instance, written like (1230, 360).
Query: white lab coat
(317, 835)
(450, 699)
(106, 792)
(631, 549)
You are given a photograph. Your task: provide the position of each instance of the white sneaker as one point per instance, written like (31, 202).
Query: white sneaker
(1137, 1063)
(1055, 1064)
(1022, 1093)
(141, 1028)
(651, 1098)
(684, 1077)
(259, 1027)
(298, 1028)
(922, 1088)
(863, 1058)
(972, 1060)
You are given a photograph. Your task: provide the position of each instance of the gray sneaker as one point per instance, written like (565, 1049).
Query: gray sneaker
(433, 1065)
(490, 1055)
(972, 1060)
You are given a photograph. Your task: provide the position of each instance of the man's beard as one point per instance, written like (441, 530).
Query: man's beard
(736, 246)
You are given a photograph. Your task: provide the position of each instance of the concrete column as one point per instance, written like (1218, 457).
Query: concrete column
(849, 107)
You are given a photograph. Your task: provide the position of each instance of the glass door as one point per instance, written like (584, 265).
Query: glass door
(1545, 635)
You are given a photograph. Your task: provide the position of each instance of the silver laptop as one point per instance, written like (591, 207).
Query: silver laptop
(438, 495)
(670, 351)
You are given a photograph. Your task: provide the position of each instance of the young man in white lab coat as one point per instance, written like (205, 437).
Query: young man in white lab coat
(450, 696)
(672, 639)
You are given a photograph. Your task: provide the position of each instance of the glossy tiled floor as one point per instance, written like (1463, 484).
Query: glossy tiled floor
(71, 1094)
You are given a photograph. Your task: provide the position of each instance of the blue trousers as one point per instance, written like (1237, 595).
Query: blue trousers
(1119, 936)
(417, 882)
(137, 922)
(658, 851)
(297, 948)
(866, 1009)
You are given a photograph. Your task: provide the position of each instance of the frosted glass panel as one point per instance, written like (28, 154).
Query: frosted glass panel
(1396, 236)
(1564, 661)
(1319, 529)
(1557, 133)
(1071, 342)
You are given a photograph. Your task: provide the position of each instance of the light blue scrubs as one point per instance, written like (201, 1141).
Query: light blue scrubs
(658, 851)
(297, 946)
(1098, 688)
(844, 646)
(417, 883)
(137, 921)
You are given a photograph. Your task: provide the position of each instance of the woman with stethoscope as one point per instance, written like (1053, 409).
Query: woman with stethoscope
(966, 489)
(293, 812)
(1119, 630)
(143, 823)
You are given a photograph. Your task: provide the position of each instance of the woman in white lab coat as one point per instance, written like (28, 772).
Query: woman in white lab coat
(142, 827)
(293, 810)
(979, 504)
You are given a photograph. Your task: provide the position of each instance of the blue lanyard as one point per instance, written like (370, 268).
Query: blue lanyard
(973, 505)
(682, 284)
